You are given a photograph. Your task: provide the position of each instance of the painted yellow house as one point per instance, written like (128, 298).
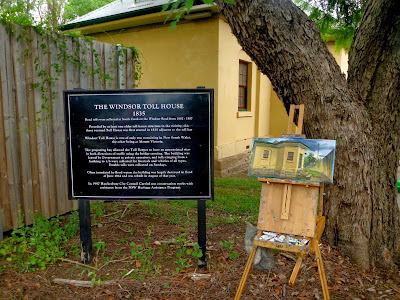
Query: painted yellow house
(282, 156)
(201, 51)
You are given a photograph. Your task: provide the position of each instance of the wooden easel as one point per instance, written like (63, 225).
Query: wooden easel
(292, 208)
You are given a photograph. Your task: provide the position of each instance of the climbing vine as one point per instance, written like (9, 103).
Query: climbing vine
(50, 52)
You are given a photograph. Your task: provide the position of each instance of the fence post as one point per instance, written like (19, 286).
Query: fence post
(119, 66)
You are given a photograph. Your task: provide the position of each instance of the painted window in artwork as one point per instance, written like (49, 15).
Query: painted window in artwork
(300, 161)
(266, 154)
(243, 84)
(290, 156)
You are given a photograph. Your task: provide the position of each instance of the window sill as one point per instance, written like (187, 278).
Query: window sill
(244, 114)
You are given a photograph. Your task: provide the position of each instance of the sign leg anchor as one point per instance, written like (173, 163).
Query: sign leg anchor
(201, 231)
(85, 231)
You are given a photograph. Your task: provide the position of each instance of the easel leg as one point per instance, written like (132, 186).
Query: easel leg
(296, 269)
(321, 271)
(245, 273)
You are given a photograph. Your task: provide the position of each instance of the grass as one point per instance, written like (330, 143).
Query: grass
(44, 242)
(313, 173)
(237, 198)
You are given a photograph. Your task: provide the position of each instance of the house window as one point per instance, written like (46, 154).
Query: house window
(243, 84)
(266, 154)
(290, 156)
(300, 161)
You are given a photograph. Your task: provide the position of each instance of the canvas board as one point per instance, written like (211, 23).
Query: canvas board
(290, 158)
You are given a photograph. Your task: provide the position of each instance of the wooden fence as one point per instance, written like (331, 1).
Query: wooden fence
(34, 70)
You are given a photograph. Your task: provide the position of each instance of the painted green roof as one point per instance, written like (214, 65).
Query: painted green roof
(282, 143)
(119, 9)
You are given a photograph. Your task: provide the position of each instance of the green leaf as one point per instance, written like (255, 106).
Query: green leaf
(337, 20)
(166, 6)
(234, 255)
(189, 5)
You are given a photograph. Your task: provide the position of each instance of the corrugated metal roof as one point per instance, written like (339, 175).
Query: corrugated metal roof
(118, 7)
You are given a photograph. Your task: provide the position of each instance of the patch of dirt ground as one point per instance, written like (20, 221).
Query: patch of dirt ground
(115, 269)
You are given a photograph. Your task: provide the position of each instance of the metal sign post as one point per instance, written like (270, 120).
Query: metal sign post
(201, 231)
(85, 231)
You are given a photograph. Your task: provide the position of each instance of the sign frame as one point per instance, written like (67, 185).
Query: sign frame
(72, 144)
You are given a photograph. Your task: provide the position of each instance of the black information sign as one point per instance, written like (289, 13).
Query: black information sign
(140, 144)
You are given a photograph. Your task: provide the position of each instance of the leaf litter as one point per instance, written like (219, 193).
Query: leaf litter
(219, 280)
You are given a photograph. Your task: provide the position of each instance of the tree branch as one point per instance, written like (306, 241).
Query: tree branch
(374, 58)
(286, 46)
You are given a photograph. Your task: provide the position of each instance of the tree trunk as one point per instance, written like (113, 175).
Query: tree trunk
(362, 113)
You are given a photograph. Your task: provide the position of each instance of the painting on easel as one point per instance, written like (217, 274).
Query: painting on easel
(293, 159)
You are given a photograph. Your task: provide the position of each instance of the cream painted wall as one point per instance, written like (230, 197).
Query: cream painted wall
(341, 57)
(263, 109)
(183, 58)
(237, 128)
(279, 117)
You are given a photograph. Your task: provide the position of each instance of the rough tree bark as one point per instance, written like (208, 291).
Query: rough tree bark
(361, 113)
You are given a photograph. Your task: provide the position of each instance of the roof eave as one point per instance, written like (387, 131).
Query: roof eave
(130, 19)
